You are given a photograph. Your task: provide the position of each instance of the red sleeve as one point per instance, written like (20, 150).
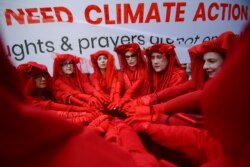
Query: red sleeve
(128, 140)
(115, 92)
(133, 90)
(48, 104)
(44, 104)
(179, 76)
(62, 91)
(172, 92)
(95, 82)
(194, 142)
(51, 105)
(187, 103)
(84, 119)
(87, 86)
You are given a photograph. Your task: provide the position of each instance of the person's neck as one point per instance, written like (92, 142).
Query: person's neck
(40, 91)
(132, 68)
(68, 75)
(103, 72)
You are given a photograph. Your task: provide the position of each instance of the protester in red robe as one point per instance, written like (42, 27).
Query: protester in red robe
(164, 67)
(133, 67)
(71, 85)
(105, 78)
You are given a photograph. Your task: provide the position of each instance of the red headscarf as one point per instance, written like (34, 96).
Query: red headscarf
(110, 70)
(226, 107)
(222, 45)
(132, 73)
(29, 71)
(158, 81)
(32, 69)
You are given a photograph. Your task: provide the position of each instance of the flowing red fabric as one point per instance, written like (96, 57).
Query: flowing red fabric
(104, 82)
(31, 69)
(69, 86)
(225, 104)
(173, 75)
(131, 75)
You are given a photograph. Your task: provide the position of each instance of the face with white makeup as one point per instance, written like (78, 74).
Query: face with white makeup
(213, 62)
(159, 61)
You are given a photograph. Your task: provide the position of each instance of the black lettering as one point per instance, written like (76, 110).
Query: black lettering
(27, 47)
(50, 46)
(125, 39)
(18, 51)
(81, 46)
(105, 42)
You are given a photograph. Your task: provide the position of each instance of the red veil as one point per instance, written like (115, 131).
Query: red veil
(111, 73)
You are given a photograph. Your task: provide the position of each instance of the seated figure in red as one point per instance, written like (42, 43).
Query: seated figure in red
(72, 86)
(164, 68)
(105, 78)
(38, 90)
(133, 67)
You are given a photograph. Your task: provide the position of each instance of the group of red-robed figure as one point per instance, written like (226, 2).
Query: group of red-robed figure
(32, 134)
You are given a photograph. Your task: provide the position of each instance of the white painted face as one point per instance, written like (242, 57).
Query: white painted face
(68, 67)
(131, 59)
(102, 61)
(159, 61)
(213, 62)
(41, 81)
